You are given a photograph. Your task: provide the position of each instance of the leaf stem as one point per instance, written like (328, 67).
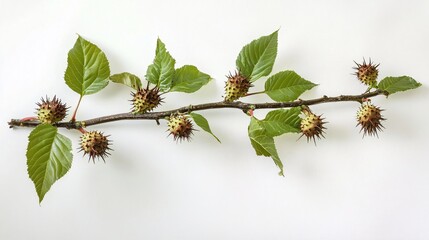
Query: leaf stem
(82, 130)
(26, 119)
(254, 93)
(205, 106)
(73, 119)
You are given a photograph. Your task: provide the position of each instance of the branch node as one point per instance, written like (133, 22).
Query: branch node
(190, 108)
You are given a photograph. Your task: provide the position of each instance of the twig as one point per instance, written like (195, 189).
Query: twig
(239, 105)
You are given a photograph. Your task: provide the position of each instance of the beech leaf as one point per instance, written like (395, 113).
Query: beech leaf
(87, 68)
(203, 124)
(256, 59)
(281, 121)
(49, 157)
(188, 79)
(161, 72)
(263, 143)
(286, 86)
(127, 79)
(398, 84)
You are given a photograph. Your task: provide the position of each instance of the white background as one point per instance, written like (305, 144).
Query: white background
(346, 187)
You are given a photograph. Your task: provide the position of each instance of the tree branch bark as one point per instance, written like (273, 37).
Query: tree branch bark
(205, 106)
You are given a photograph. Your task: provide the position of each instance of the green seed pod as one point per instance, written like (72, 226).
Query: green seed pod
(95, 144)
(145, 100)
(369, 118)
(367, 73)
(312, 125)
(180, 126)
(51, 111)
(236, 87)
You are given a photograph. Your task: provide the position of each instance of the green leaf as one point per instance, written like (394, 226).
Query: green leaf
(87, 68)
(256, 59)
(188, 79)
(203, 123)
(282, 121)
(160, 47)
(286, 86)
(161, 72)
(49, 157)
(263, 143)
(398, 84)
(127, 79)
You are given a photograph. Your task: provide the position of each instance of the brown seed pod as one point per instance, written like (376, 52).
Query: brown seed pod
(180, 126)
(145, 100)
(367, 73)
(236, 87)
(369, 118)
(51, 111)
(95, 144)
(312, 125)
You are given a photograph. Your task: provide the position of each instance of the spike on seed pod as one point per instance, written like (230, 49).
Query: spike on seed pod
(51, 111)
(95, 144)
(180, 126)
(367, 73)
(369, 118)
(312, 125)
(145, 100)
(236, 86)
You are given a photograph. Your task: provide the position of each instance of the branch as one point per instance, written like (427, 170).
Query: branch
(239, 105)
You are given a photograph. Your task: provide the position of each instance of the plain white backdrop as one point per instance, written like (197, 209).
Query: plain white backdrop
(346, 187)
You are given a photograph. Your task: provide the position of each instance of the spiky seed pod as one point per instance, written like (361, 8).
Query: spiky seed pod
(180, 126)
(145, 100)
(95, 144)
(369, 118)
(236, 87)
(312, 125)
(51, 111)
(367, 73)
